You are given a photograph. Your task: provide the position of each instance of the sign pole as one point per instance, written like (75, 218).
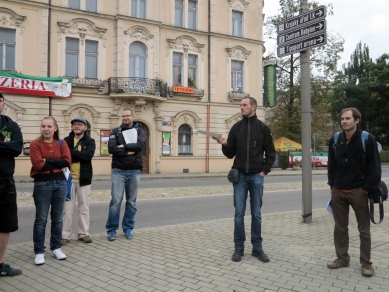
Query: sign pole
(306, 130)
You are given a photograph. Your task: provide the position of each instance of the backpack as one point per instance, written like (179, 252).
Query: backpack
(378, 196)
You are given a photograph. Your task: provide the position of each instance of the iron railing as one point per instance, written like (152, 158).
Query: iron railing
(137, 85)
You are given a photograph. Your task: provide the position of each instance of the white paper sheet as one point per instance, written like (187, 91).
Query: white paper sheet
(211, 134)
(130, 136)
(329, 208)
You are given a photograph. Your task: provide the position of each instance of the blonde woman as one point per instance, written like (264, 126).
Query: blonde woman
(48, 156)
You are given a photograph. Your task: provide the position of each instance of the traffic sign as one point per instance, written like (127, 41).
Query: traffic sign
(302, 45)
(309, 17)
(302, 32)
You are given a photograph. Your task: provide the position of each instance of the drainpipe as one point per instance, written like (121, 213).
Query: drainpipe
(209, 85)
(48, 53)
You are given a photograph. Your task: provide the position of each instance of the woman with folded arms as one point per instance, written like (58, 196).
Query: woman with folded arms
(48, 156)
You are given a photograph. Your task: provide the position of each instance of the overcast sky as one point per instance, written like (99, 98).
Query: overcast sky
(355, 20)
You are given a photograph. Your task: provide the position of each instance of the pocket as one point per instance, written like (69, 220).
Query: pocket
(233, 176)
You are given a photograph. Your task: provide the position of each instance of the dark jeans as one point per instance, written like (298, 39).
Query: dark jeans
(252, 183)
(340, 203)
(45, 194)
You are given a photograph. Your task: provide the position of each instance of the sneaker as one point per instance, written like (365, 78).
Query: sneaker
(86, 239)
(237, 256)
(367, 270)
(58, 254)
(39, 259)
(64, 241)
(260, 254)
(129, 234)
(111, 235)
(338, 263)
(6, 270)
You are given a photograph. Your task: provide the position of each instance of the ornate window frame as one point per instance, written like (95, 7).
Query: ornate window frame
(185, 117)
(199, 19)
(13, 111)
(81, 29)
(11, 20)
(240, 6)
(185, 44)
(232, 120)
(85, 111)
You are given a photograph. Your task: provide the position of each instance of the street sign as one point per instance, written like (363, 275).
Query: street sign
(302, 45)
(309, 17)
(302, 32)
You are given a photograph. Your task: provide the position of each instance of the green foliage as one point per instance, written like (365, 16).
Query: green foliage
(284, 159)
(285, 119)
(362, 84)
(384, 155)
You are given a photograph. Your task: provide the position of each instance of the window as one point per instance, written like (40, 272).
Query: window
(7, 49)
(179, 13)
(237, 76)
(91, 59)
(138, 60)
(91, 5)
(138, 8)
(192, 14)
(185, 140)
(177, 69)
(72, 51)
(75, 4)
(237, 23)
(192, 70)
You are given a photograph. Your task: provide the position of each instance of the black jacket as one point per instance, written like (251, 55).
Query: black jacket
(88, 147)
(120, 157)
(342, 173)
(251, 143)
(9, 150)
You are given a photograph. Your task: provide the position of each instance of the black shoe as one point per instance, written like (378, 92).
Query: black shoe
(260, 255)
(237, 256)
(6, 270)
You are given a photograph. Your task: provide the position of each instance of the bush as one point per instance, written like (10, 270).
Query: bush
(384, 155)
(284, 160)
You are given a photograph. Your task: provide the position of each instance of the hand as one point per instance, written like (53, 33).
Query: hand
(130, 153)
(6, 139)
(120, 146)
(262, 173)
(221, 140)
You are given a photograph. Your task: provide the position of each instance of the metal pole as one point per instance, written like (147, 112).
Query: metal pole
(306, 130)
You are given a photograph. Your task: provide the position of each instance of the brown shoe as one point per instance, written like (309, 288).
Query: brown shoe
(64, 241)
(86, 239)
(336, 264)
(367, 270)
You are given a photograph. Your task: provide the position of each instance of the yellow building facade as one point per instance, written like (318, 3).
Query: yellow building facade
(179, 65)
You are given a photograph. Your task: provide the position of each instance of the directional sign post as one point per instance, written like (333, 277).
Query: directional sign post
(303, 32)
(309, 17)
(303, 45)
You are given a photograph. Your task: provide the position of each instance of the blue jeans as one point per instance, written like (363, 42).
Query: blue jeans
(252, 183)
(123, 181)
(45, 194)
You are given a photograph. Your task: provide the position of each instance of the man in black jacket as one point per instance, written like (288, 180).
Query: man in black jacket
(126, 168)
(350, 187)
(251, 143)
(11, 145)
(82, 148)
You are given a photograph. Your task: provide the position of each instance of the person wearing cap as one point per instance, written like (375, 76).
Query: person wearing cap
(82, 148)
(11, 145)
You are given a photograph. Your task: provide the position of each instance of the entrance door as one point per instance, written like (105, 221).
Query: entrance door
(146, 148)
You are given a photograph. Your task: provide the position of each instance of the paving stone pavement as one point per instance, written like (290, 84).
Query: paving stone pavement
(197, 256)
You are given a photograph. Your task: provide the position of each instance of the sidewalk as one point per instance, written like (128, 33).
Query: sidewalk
(197, 257)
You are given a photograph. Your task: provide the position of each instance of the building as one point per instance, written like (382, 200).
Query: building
(180, 65)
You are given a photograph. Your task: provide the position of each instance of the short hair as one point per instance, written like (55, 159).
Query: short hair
(56, 133)
(356, 113)
(253, 101)
(128, 109)
(1, 96)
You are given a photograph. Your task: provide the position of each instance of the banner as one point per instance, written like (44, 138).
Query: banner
(318, 158)
(34, 85)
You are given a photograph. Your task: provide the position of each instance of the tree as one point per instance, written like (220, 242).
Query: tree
(285, 119)
(362, 84)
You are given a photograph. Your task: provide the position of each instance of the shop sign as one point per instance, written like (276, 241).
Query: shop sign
(35, 85)
(182, 89)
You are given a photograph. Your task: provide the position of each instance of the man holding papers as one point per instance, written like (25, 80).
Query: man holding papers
(125, 144)
(249, 141)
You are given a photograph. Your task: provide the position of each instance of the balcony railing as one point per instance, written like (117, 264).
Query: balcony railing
(237, 95)
(137, 85)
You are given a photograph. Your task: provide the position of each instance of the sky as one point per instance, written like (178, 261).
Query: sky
(354, 20)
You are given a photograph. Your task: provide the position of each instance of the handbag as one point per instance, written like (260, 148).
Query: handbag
(233, 176)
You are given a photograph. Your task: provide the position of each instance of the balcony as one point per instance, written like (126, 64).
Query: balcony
(137, 85)
(237, 95)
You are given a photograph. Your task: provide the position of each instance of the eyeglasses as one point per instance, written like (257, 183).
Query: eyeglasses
(126, 116)
(78, 124)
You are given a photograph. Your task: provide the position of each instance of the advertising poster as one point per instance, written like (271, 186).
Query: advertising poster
(104, 137)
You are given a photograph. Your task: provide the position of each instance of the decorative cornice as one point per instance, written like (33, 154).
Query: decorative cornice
(238, 52)
(81, 27)
(245, 3)
(139, 32)
(9, 18)
(186, 117)
(232, 120)
(185, 43)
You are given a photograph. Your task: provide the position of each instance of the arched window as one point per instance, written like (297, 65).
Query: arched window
(185, 140)
(138, 60)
